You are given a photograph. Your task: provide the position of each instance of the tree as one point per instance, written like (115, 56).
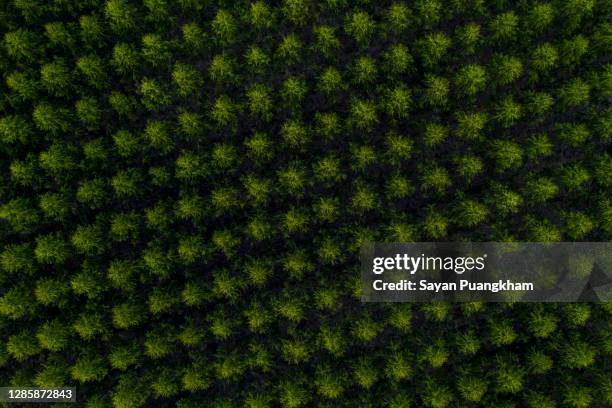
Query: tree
(22, 346)
(260, 15)
(472, 388)
(92, 30)
(122, 357)
(16, 258)
(154, 94)
(509, 376)
(576, 10)
(540, 189)
(468, 37)
(257, 60)
(21, 45)
(436, 395)
(328, 383)
(574, 177)
(290, 49)
(157, 134)
(544, 57)
(23, 84)
(88, 282)
(435, 224)
(577, 224)
(365, 70)
(470, 212)
(577, 354)
(53, 374)
(540, 17)
(363, 114)
(221, 69)
(328, 125)
(225, 241)
(21, 213)
(398, 59)
(328, 169)
(193, 37)
(196, 378)
(397, 102)
(541, 230)
(398, 18)
(436, 91)
(505, 200)
(398, 187)
(293, 179)
(50, 291)
(429, 12)
(435, 134)
(94, 70)
(186, 78)
(578, 396)
(432, 48)
(259, 271)
(224, 111)
(59, 160)
(51, 118)
(155, 50)
(541, 324)
(126, 183)
(89, 368)
(167, 383)
(506, 69)
(89, 112)
(504, 26)
(468, 166)
(435, 178)
(51, 249)
(538, 104)
(327, 42)
(508, 112)
(506, 154)
(293, 394)
(295, 220)
(224, 27)
(92, 193)
(574, 93)
(121, 15)
(296, 11)
(573, 50)
(539, 362)
(128, 314)
(360, 26)
(295, 351)
(17, 303)
(123, 104)
(131, 391)
(294, 91)
(260, 147)
(471, 79)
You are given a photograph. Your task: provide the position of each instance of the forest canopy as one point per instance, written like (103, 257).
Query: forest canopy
(185, 186)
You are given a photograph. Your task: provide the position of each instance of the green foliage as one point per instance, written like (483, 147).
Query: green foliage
(471, 79)
(433, 47)
(88, 368)
(360, 26)
(22, 346)
(469, 37)
(544, 57)
(186, 186)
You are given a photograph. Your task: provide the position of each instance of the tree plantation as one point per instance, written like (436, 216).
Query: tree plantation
(185, 186)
